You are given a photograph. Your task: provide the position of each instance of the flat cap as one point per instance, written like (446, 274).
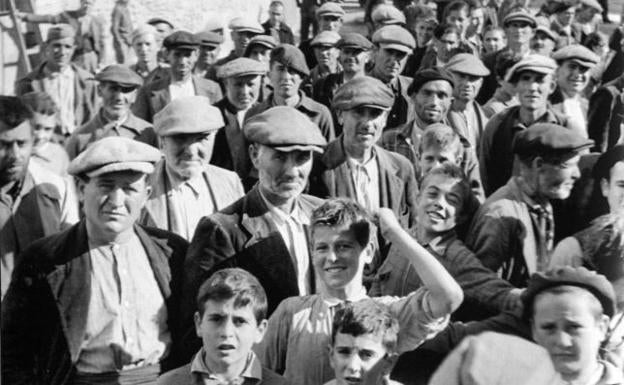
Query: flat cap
(243, 24)
(112, 154)
(549, 139)
(592, 4)
(534, 63)
(330, 8)
(285, 129)
(387, 14)
(209, 38)
(120, 74)
(577, 53)
(142, 30)
(291, 57)
(262, 40)
(354, 40)
(325, 38)
(543, 25)
(467, 63)
(60, 31)
(394, 37)
(595, 283)
(160, 20)
(520, 15)
(429, 75)
(181, 40)
(607, 160)
(242, 66)
(363, 91)
(188, 115)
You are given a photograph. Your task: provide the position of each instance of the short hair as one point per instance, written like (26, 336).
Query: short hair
(40, 102)
(234, 283)
(342, 212)
(603, 246)
(504, 61)
(493, 28)
(594, 304)
(276, 3)
(594, 39)
(456, 5)
(442, 137)
(417, 12)
(444, 28)
(367, 317)
(13, 111)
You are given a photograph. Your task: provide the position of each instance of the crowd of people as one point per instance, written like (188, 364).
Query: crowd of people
(438, 200)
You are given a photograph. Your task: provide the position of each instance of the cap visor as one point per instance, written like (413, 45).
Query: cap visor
(144, 167)
(582, 63)
(398, 47)
(298, 147)
(187, 130)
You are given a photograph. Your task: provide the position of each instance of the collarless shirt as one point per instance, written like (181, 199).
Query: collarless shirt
(60, 86)
(365, 179)
(126, 323)
(180, 89)
(251, 374)
(191, 200)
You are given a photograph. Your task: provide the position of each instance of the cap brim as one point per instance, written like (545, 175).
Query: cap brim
(539, 70)
(190, 47)
(583, 63)
(181, 130)
(249, 29)
(144, 167)
(398, 47)
(299, 147)
(527, 20)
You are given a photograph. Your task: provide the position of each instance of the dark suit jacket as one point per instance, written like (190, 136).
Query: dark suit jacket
(43, 313)
(154, 96)
(606, 115)
(286, 35)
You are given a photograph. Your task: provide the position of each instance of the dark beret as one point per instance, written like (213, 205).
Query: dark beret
(181, 40)
(363, 91)
(428, 75)
(544, 139)
(291, 57)
(607, 160)
(120, 74)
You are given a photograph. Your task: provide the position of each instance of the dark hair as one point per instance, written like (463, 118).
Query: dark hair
(492, 27)
(416, 12)
(444, 28)
(457, 5)
(603, 246)
(443, 137)
(40, 102)
(367, 317)
(276, 3)
(13, 111)
(504, 61)
(234, 283)
(595, 38)
(342, 212)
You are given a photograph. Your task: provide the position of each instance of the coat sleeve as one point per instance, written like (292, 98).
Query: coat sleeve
(272, 350)
(141, 107)
(599, 115)
(490, 238)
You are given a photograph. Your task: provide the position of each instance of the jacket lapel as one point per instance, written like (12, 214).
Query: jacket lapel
(337, 176)
(157, 251)
(156, 207)
(391, 185)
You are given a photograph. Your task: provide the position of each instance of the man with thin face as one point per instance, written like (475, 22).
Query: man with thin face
(544, 40)
(329, 17)
(146, 46)
(276, 26)
(209, 49)
(326, 53)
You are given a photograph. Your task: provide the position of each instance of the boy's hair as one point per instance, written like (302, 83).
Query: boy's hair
(341, 212)
(593, 303)
(444, 28)
(594, 39)
(441, 137)
(13, 111)
(40, 102)
(367, 317)
(234, 283)
(504, 62)
(417, 12)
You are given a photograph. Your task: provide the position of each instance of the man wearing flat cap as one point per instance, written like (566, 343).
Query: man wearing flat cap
(466, 115)
(185, 187)
(276, 27)
(568, 32)
(242, 79)
(182, 52)
(513, 231)
(117, 88)
(288, 70)
(326, 53)
(329, 17)
(68, 85)
(209, 48)
(34, 202)
(393, 45)
(97, 303)
(266, 231)
(242, 30)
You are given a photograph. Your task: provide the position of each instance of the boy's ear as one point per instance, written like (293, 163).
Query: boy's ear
(331, 354)
(262, 326)
(369, 253)
(197, 318)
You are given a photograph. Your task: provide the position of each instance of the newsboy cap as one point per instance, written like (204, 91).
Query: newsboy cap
(120, 74)
(543, 25)
(188, 115)
(160, 20)
(467, 63)
(577, 53)
(520, 15)
(592, 4)
(209, 38)
(285, 129)
(387, 14)
(394, 37)
(113, 154)
(363, 91)
(243, 24)
(60, 31)
(543, 139)
(534, 63)
(290, 56)
(325, 38)
(354, 40)
(330, 8)
(262, 40)
(242, 66)
(429, 75)
(181, 40)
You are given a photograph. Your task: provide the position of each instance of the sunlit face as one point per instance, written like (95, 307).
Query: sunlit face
(16, 145)
(586, 14)
(533, 89)
(466, 86)
(424, 31)
(542, 44)
(43, 128)
(556, 181)
(494, 40)
(242, 91)
(434, 156)
(477, 20)
(227, 333)
(261, 54)
(145, 47)
(338, 258)
(459, 19)
(362, 126)
(572, 78)
(439, 203)
(519, 32)
(276, 14)
(361, 360)
(566, 17)
(285, 80)
(59, 52)
(389, 63)
(326, 56)
(329, 23)
(353, 60)
(613, 189)
(433, 101)
(446, 44)
(241, 40)
(116, 100)
(187, 155)
(182, 62)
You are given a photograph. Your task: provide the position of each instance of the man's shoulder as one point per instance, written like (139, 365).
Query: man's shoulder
(179, 376)
(137, 123)
(48, 183)
(221, 174)
(205, 83)
(502, 202)
(397, 159)
(44, 254)
(269, 377)
(173, 241)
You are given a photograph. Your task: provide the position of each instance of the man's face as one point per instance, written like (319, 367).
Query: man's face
(613, 189)
(434, 156)
(555, 181)
(86, 5)
(113, 201)
(43, 128)
(542, 44)
(326, 56)
(566, 326)
(494, 40)
(439, 202)
(227, 332)
(359, 360)
(242, 91)
(466, 86)
(533, 89)
(519, 32)
(338, 258)
(572, 78)
(261, 54)
(389, 63)
(424, 31)
(477, 20)
(241, 39)
(362, 126)
(433, 101)
(282, 175)
(566, 17)
(276, 14)
(446, 44)
(329, 23)
(187, 155)
(208, 54)
(59, 52)
(459, 19)
(145, 47)
(353, 60)
(285, 80)
(15, 149)
(116, 100)
(182, 62)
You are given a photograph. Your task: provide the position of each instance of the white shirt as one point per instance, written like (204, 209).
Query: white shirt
(573, 111)
(365, 179)
(181, 89)
(191, 201)
(60, 86)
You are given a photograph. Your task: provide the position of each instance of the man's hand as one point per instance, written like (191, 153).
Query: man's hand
(386, 221)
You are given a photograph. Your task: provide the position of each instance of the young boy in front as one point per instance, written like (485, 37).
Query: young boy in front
(231, 317)
(300, 329)
(363, 344)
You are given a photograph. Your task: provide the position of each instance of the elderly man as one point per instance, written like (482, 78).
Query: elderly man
(34, 202)
(513, 231)
(182, 54)
(393, 44)
(242, 80)
(329, 17)
(287, 72)
(117, 88)
(185, 187)
(67, 83)
(97, 303)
